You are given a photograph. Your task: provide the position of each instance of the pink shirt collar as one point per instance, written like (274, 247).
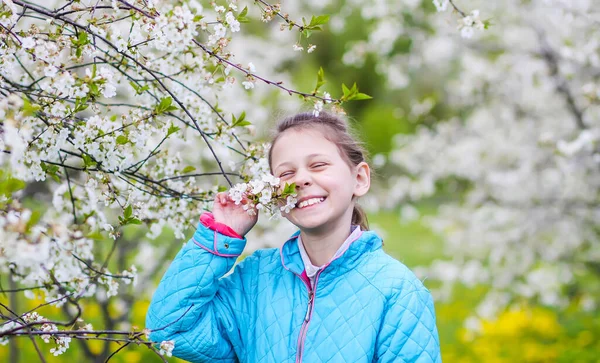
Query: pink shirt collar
(311, 270)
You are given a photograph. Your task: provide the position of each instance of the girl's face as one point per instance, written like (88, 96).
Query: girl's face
(325, 183)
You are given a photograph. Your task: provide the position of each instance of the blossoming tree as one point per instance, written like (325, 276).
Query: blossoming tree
(113, 114)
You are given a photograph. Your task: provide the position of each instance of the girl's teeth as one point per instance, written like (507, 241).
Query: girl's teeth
(310, 202)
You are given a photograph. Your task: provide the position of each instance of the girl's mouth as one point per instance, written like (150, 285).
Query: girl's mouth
(310, 202)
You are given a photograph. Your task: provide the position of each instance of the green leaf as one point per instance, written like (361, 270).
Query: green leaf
(135, 86)
(82, 39)
(244, 11)
(361, 96)
(165, 105)
(188, 169)
(51, 170)
(242, 16)
(134, 221)
(29, 109)
(94, 89)
(353, 94)
(172, 129)
(80, 104)
(87, 161)
(128, 211)
(95, 235)
(289, 189)
(165, 102)
(318, 20)
(36, 215)
(345, 90)
(10, 185)
(320, 79)
(240, 121)
(122, 139)
(113, 118)
(222, 188)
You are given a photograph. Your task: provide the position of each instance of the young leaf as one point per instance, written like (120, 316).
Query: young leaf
(320, 79)
(128, 212)
(318, 20)
(188, 169)
(345, 90)
(242, 16)
(87, 161)
(361, 96)
(172, 129)
(29, 109)
(122, 139)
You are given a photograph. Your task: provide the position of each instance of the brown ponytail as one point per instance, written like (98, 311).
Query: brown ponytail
(359, 218)
(335, 129)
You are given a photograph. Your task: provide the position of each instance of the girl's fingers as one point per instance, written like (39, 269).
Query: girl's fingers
(222, 198)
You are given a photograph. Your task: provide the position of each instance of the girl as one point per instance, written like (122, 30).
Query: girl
(329, 294)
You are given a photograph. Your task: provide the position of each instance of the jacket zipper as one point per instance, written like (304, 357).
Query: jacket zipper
(311, 304)
(304, 328)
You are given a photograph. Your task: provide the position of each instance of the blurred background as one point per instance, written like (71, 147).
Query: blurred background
(484, 136)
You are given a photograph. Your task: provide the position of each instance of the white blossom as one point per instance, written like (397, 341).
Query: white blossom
(166, 347)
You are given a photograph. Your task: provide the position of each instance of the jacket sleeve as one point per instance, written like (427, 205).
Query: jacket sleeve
(408, 331)
(198, 308)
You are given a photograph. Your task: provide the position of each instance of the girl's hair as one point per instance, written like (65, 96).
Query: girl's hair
(334, 129)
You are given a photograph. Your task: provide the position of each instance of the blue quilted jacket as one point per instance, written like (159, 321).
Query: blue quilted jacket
(365, 305)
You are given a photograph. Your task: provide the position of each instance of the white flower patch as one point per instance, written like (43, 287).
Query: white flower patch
(264, 192)
(469, 24)
(166, 348)
(234, 25)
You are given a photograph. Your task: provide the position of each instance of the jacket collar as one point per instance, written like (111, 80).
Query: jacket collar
(292, 260)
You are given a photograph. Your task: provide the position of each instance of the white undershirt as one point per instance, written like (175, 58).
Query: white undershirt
(311, 270)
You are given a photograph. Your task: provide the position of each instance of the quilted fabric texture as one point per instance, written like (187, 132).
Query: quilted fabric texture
(366, 307)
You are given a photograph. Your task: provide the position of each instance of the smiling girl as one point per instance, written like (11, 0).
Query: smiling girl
(329, 294)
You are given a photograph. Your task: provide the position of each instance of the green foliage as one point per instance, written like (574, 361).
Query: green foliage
(188, 169)
(242, 15)
(289, 189)
(51, 170)
(172, 129)
(30, 109)
(240, 121)
(320, 80)
(165, 106)
(139, 89)
(352, 94)
(79, 42)
(128, 217)
(9, 186)
(314, 24)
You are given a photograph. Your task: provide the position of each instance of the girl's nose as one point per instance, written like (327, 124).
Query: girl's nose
(302, 180)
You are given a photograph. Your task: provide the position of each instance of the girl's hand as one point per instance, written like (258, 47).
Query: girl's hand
(225, 211)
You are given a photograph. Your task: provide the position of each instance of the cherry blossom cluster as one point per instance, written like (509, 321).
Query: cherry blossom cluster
(262, 191)
(111, 118)
(264, 194)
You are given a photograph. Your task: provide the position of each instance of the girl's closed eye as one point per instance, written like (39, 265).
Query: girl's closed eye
(319, 165)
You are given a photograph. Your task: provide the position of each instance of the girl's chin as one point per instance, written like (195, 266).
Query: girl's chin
(310, 224)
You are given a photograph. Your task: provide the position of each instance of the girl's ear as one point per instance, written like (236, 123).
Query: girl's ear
(363, 179)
